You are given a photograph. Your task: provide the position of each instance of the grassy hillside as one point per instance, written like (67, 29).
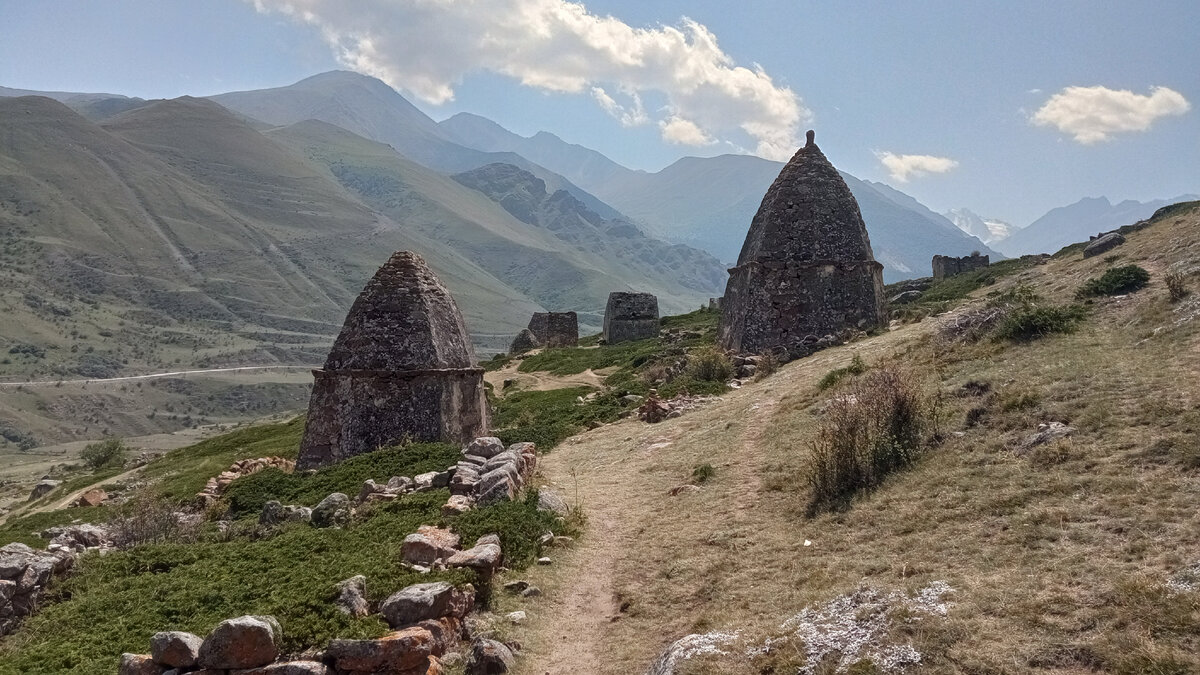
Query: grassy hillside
(1076, 555)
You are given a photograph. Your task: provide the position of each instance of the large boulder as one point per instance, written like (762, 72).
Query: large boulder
(397, 652)
(1103, 244)
(489, 657)
(244, 642)
(44, 487)
(485, 447)
(419, 602)
(93, 497)
(175, 649)
(550, 500)
(484, 559)
(333, 511)
(276, 513)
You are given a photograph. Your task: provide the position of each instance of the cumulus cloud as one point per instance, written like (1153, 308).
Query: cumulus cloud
(1093, 114)
(902, 167)
(426, 47)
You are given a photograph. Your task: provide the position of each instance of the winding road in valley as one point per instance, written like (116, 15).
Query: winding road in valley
(174, 373)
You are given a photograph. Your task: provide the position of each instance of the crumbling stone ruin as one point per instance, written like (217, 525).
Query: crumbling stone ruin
(948, 266)
(524, 342)
(402, 368)
(806, 269)
(630, 316)
(555, 329)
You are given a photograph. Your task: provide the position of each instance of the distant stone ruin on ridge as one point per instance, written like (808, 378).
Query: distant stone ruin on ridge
(630, 316)
(947, 266)
(555, 329)
(402, 368)
(806, 269)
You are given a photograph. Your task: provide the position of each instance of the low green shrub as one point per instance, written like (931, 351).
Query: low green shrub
(856, 367)
(549, 417)
(701, 474)
(519, 523)
(1115, 281)
(1030, 322)
(879, 426)
(710, 365)
(104, 454)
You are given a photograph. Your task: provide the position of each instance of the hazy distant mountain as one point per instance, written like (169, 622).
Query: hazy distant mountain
(370, 108)
(987, 230)
(583, 166)
(1066, 225)
(672, 266)
(709, 202)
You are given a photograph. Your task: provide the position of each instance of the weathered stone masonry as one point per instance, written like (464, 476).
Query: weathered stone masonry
(948, 266)
(806, 269)
(630, 316)
(401, 368)
(555, 329)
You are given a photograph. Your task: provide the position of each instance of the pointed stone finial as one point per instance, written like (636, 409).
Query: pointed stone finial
(809, 138)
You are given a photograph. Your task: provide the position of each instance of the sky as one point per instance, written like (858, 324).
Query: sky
(1009, 109)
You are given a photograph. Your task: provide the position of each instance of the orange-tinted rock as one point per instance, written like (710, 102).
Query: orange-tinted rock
(399, 651)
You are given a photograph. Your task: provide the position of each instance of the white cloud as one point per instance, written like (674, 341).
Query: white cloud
(683, 132)
(426, 47)
(1093, 114)
(901, 167)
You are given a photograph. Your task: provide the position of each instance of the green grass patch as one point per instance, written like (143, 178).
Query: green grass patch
(856, 367)
(247, 495)
(1115, 281)
(496, 362)
(1030, 322)
(25, 528)
(549, 417)
(182, 473)
(703, 473)
(114, 603)
(519, 524)
(960, 286)
(575, 360)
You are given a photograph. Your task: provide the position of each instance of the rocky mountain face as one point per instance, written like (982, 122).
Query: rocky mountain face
(988, 230)
(708, 202)
(1066, 225)
(525, 196)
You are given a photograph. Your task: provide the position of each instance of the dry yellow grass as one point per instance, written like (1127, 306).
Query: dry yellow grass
(1059, 557)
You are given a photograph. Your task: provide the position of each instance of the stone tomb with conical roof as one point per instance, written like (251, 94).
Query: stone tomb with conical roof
(806, 269)
(402, 368)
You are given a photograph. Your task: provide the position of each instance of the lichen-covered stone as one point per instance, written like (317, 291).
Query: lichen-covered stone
(947, 266)
(401, 368)
(806, 268)
(138, 664)
(244, 642)
(333, 511)
(555, 329)
(396, 652)
(175, 649)
(419, 602)
(630, 316)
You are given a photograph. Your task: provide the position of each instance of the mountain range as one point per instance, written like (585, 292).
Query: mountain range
(988, 230)
(1076, 222)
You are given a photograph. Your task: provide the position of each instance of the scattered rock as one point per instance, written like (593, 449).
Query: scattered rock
(681, 489)
(485, 447)
(24, 573)
(333, 511)
(175, 649)
(489, 657)
(1103, 244)
(544, 561)
(484, 559)
(275, 513)
(515, 587)
(457, 505)
(428, 544)
(550, 500)
(1047, 433)
(44, 487)
(905, 297)
(352, 598)
(93, 497)
(244, 642)
(517, 617)
(138, 664)
(287, 668)
(531, 592)
(426, 601)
